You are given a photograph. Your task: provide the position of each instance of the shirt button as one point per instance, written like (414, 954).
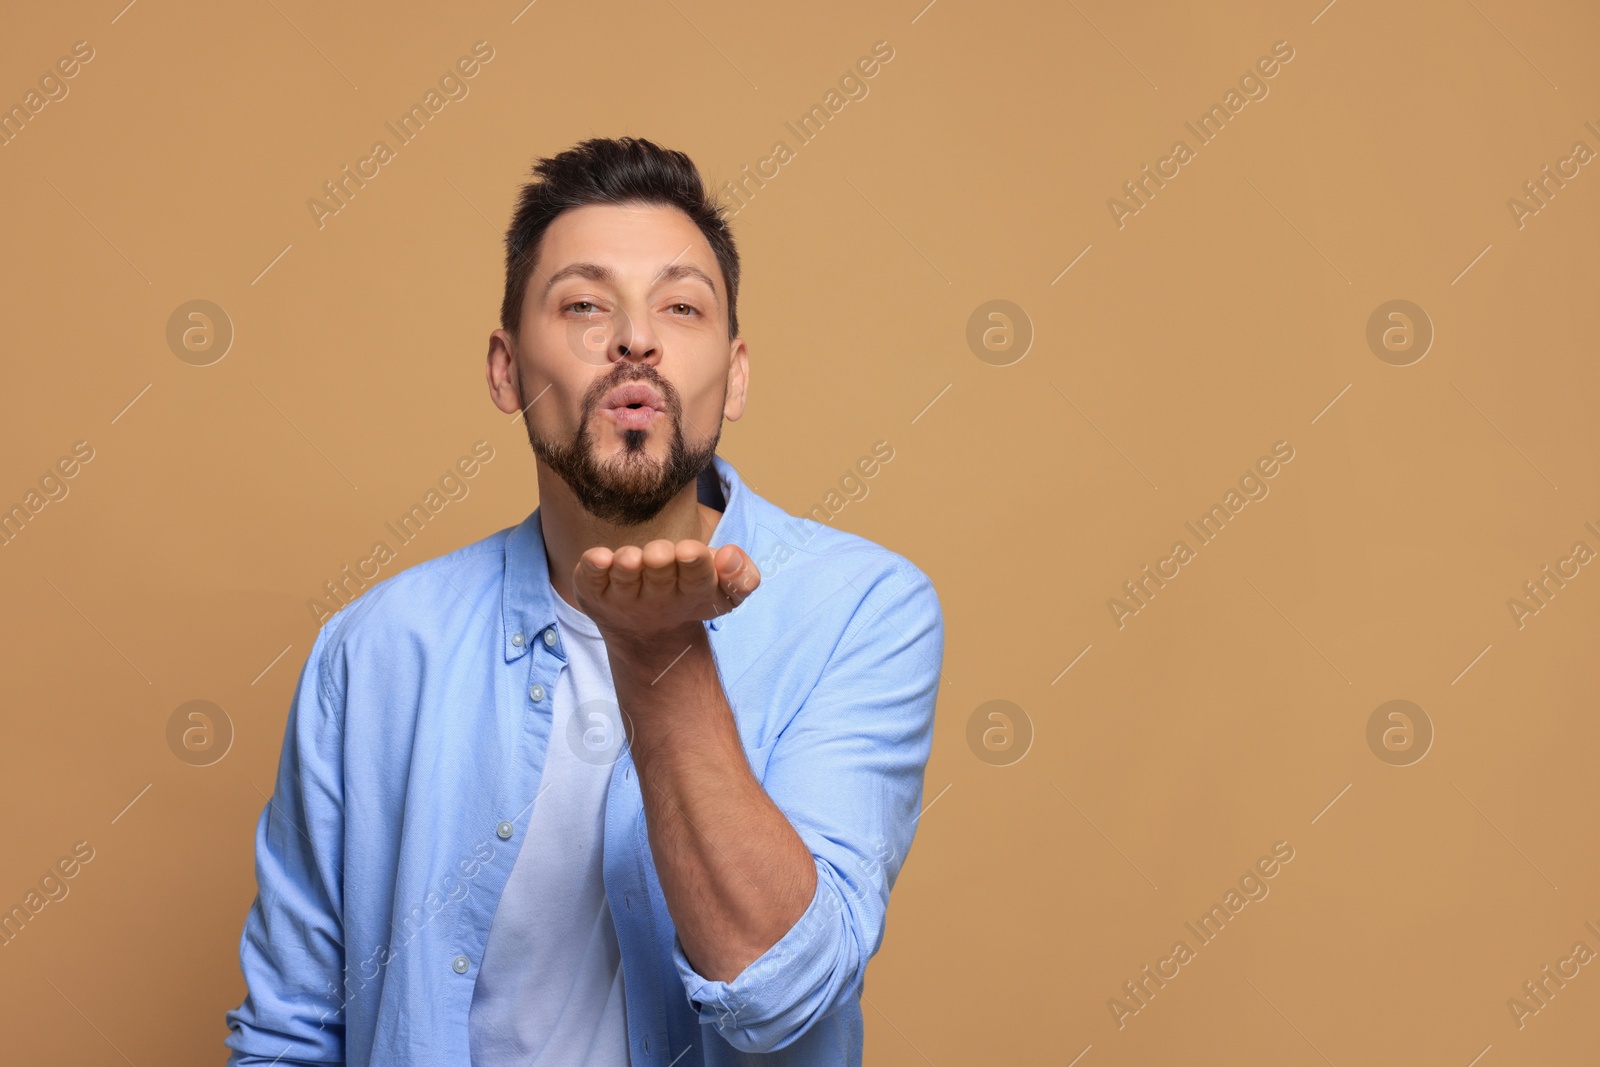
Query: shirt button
(504, 830)
(536, 692)
(550, 637)
(516, 639)
(461, 964)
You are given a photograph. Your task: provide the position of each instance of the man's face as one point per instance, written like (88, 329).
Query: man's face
(630, 298)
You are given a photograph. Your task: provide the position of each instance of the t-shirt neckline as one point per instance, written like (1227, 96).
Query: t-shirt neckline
(573, 619)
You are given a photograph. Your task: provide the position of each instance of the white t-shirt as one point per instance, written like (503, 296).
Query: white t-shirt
(549, 992)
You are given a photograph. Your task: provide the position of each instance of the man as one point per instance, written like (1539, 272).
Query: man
(600, 788)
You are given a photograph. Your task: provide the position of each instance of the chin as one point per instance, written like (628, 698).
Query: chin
(631, 445)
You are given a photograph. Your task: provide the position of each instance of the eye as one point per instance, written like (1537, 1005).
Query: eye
(690, 307)
(586, 303)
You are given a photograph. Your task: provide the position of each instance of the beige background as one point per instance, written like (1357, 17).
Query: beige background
(1230, 313)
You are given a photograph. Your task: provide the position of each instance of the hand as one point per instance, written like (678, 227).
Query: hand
(646, 599)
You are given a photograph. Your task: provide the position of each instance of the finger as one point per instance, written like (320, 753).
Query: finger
(627, 568)
(737, 574)
(697, 571)
(660, 567)
(592, 575)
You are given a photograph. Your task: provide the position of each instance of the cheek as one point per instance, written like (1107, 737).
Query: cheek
(563, 341)
(557, 413)
(554, 382)
(703, 413)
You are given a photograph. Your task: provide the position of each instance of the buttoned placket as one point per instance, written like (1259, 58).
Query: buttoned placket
(544, 668)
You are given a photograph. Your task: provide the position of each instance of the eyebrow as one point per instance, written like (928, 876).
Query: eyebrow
(599, 273)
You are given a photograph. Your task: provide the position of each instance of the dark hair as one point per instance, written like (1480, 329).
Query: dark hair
(605, 170)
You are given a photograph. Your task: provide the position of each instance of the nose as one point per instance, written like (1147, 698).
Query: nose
(633, 339)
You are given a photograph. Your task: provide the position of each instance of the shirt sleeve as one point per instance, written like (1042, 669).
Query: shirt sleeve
(847, 772)
(292, 949)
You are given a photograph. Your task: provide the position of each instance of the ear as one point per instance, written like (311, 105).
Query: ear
(738, 380)
(500, 371)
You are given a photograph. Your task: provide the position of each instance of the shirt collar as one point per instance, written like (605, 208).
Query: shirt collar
(527, 598)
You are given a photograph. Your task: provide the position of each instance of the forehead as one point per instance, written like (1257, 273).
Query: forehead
(634, 240)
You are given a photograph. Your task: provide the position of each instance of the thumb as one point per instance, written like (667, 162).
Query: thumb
(737, 573)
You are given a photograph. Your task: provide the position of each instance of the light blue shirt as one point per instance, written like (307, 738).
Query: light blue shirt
(413, 753)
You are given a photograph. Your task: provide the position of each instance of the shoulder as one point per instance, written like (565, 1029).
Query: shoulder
(812, 561)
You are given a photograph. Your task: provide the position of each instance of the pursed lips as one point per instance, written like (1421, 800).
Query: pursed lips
(632, 406)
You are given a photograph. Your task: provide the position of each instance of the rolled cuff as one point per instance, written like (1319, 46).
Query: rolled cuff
(787, 988)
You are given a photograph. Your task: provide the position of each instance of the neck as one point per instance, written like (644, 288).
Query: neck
(570, 531)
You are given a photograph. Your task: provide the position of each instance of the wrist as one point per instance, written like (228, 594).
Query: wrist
(646, 659)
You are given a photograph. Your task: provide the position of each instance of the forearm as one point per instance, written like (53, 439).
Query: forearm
(735, 874)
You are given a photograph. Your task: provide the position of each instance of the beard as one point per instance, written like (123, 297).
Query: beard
(631, 488)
